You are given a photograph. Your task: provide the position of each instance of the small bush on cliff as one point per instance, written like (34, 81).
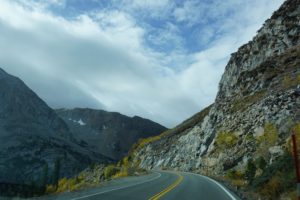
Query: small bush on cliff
(235, 177)
(62, 185)
(226, 140)
(261, 163)
(143, 142)
(123, 172)
(110, 171)
(250, 171)
(277, 178)
(267, 140)
(270, 135)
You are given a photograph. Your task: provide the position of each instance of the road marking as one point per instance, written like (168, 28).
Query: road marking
(87, 196)
(168, 189)
(217, 183)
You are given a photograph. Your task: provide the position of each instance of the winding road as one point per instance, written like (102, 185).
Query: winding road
(162, 185)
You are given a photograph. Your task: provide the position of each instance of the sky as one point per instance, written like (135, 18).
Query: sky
(158, 59)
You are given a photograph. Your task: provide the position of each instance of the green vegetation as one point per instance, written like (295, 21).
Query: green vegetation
(269, 180)
(90, 177)
(267, 140)
(226, 140)
(269, 137)
(250, 171)
(261, 163)
(142, 142)
(236, 178)
(84, 179)
(276, 178)
(110, 170)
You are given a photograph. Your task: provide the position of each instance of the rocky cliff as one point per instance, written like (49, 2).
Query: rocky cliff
(257, 105)
(109, 133)
(32, 136)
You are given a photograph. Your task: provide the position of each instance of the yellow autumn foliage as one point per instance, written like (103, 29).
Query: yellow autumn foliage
(226, 140)
(270, 135)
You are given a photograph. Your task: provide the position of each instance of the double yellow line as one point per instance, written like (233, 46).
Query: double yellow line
(168, 189)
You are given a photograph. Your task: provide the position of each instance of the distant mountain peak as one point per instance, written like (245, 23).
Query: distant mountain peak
(111, 133)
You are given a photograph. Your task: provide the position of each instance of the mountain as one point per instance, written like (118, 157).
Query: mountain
(32, 136)
(244, 136)
(109, 133)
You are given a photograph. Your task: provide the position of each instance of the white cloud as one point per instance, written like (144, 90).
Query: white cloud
(101, 59)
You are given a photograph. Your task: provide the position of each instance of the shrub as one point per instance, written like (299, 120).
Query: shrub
(110, 170)
(249, 137)
(270, 135)
(125, 161)
(122, 173)
(62, 185)
(272, 189)
(267, 140)
(234, 174)
(261, 163)
(235, 177)
(73, 184)
(226, 140)
(50, 189)
(281, 170)
(65, 184)
(250, 171)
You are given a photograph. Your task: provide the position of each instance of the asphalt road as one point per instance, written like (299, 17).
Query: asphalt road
(162, 185)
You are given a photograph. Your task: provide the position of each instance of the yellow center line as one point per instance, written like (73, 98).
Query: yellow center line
(168, 189)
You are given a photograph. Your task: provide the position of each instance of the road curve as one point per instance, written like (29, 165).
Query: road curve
(159, 185)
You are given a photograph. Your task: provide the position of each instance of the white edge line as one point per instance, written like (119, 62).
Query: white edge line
(217, 183)
(159, 175)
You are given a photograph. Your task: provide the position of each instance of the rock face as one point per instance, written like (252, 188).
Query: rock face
(109, 133)
(33, 136)
(257, 97)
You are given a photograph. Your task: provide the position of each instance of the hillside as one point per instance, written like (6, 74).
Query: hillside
(109, 133)
(33, 138)
(244, 136)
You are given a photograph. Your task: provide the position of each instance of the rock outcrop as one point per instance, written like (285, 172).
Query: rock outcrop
(259, 97)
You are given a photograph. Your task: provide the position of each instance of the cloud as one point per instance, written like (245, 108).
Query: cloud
(146, 8)
(112, 59)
